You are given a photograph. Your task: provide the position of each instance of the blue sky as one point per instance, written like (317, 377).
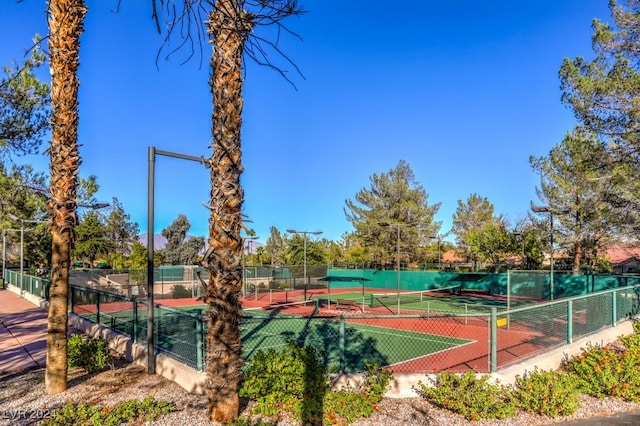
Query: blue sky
(463, 91)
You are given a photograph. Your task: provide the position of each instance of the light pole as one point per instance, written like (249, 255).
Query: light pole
(152, 152)
(437, 237)
(397, 225)
(547, 209)
(304, 234)
(521, 235)
(22, 222)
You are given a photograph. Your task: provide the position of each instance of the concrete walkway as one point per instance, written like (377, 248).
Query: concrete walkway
(23, 334)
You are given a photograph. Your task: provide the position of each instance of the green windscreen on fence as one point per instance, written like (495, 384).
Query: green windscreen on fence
(530, 284)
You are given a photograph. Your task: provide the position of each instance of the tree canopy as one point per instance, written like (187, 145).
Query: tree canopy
(92, 241)
(180, 249)
(575, 180)
(275, 248)
(24, 106)
(394, 203)
(479, 234)
(603, 94)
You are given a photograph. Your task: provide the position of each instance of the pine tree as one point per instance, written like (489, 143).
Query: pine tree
(395, 201)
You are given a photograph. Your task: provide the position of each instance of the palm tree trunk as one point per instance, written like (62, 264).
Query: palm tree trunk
(65, 18)
(229, 31)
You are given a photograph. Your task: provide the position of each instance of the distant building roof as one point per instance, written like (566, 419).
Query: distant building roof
(621, 254)
(451, 256)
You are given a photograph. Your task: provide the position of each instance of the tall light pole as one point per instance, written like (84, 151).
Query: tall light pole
(22, 222)
(547, 209)
(437, 237)
(304, 234)
(152, 152)
(397, 225)
(93, 206)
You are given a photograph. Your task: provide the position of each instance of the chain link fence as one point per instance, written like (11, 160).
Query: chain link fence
(347, 336)
(426, 343)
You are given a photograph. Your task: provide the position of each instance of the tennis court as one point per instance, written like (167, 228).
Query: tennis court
(344, 345)
(446, 300)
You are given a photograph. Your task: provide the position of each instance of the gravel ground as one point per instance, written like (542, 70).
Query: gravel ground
(22, 395)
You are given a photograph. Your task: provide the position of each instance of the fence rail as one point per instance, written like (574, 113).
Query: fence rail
(425, 343)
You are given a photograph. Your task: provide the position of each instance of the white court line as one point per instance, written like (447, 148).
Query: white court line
(422, 339)
(433, 353)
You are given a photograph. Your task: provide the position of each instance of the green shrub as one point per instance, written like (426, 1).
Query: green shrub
(547, 393)
(292, 379)
(606, 371)
(346, 406)
(473, 397)
(354, 403)
(632, 341)
(597, 370)
(90, 353)
(132, 412)
(179, 291)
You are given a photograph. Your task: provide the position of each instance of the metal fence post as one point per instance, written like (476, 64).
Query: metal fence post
(342, 344)
(72, 298)
(493, 339)
(135, 321)
(614, 308)
(199, 343)
(570, 321)
(97, 308)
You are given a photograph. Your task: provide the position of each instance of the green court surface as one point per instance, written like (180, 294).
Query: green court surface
(344, 345)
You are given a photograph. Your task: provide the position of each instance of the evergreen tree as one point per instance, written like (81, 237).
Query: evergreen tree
(120, 230)
(575, 180)
(603, 94)
(24, 120)
(275, 247)
(394, 204)
(181, 250)
(470, 221)
(24, 106)
(92, 238)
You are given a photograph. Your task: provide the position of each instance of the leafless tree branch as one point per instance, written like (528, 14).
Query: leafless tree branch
(186, 20)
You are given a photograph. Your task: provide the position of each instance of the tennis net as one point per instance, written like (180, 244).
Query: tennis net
(410, 297)
(299, 308)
